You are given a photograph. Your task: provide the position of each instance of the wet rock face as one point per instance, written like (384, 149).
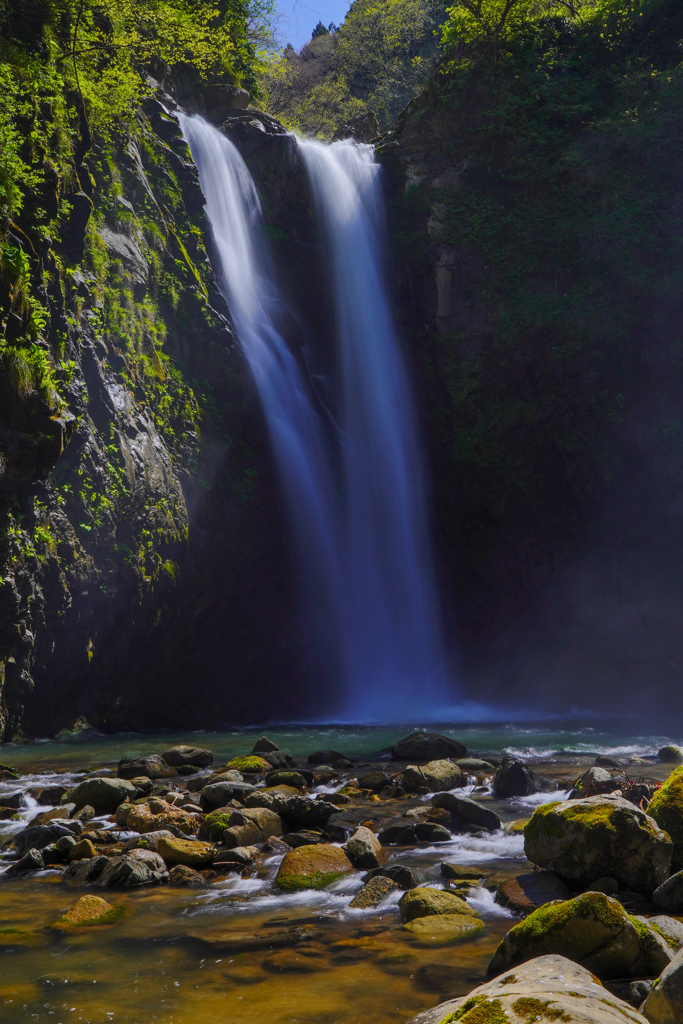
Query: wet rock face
(514, 777)
(581, 840)
(665, 1004)
(549, 987)
(427, 746)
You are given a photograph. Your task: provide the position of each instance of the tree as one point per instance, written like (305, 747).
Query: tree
(488, 22)
(319, 30)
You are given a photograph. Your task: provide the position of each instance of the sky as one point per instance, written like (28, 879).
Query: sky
(298, 18)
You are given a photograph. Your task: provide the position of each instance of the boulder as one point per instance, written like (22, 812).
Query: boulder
(31, 861)
(81, 850)
(300, 812)
(252, 825)
(435, 777)
(88, 911)
(151, 767)
(468, 811)
(581, 840)
(398, 833)
(463, 872)
(325, 757)
(158, 815)
(218, 794)
(552, 988)
(39, 836)
(264, 746)
(427, 746)
(592, 929)
(404, 876)
(475, 766)
(524, 893)
(373, 892)
(294, 779)
(666, 807)
(249, 764)
(445, 928)
(104, 795)
(148, 841)
(180, 874)
(375, 781)
(84, 872)
(198, 757)
(189, 852)
(669, 895)
(432, 832)
(671, 755)
(312, 867)
(514, 777)
(364, 848)
(594, 782)
(425, 902)
(669, 928)
(130, 871)
(664, 1005)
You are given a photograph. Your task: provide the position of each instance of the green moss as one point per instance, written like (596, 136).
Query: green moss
(671, 942)
(556, 915)
(478, 1010)
(317, 880)
(543, 823)
(666, 807)
(215, 824)
(533, 1009)
(250, 764)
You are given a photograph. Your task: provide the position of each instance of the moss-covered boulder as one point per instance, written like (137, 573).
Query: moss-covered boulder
(89, 910)
(444, 928)
(581, 840)
(312, 867)
(664, 1005)
(158, 815)
(594, 930)
(104, 795)
(435, 776)
(550, 989)
(424, 902)
(189, 852)
(250, 764)
(666, 807)
(214, 825)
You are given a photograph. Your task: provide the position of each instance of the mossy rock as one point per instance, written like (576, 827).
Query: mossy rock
(214, 825)
(312, 867)
(666, 807)
(671, 755)
(444, 928)
(189, 852)
(581, 840)
(424, 902)
(594, 930)
(249, 764)
(22, 938)
(89, 910)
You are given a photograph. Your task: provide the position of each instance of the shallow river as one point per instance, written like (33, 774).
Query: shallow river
(166, 960)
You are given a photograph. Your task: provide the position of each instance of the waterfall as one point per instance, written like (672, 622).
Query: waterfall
(392, 645)
(360, 531)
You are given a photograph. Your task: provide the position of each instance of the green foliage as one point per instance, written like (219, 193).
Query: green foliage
(376, 60)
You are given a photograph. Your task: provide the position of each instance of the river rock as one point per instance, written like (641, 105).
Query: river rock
(189, 852)
(475, 766)
(669, 895)
(130, 871)
(158, 815)
(252, 825)
(432, 832)
(670, 928)
(551, 988)
(580, 840)
(374, 781)
(312, 867)
(664, 1005)
(249, 764)
(435, 777)
(218, 794)
(197, 757)
(671, 755)
(104, 795)
(32, 860)
(83, 872)
(292, 778)
(404, 876)
(88, 911)
(666, 807)
(398, 833)
(427, 746)
(180, 874)
(151, 767)
(300, 812)
(468, 811)
(373, 892)
(82, 850)
(524, 893)
(364, 848)
(594, 782)
(444, 928)
(592, 929)
(148, 841)
(39, 836)
(425, 902)
(514, 777)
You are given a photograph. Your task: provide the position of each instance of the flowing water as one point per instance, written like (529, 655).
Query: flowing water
(361, 534)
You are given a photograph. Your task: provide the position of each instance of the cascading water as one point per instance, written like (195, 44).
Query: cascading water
(392, 646)
(362, 539)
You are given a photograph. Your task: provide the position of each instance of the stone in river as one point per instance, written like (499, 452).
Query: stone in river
(426, 902)
(462, 871)
(258, 939)
(364, 848)
(525, 893)
(156, 815)
(287, 778)
(468, 811)
(666, 807)
(594, 930)
(218, 794)
(671, 755)
(373, 892)
(444, 928)
(665, 1003)
(375, 781)
(82, 872)
(104, 795)
(89, 910)
(475, 766)
(427, 746)
(435, 777)
(312, 867)
(303, 838)
(82, 850)
(38, 836)
(580, 840)
(551, 988)
(264, 746)
(250, 764)
(31, 861)
(398, 833)
(404, 876)
(189, 852)
(128, 872)
(181, 755)
(431, 832)
(152, 767)
(325, 757)
(669, 895)
(300, 812)
(148, 841)
(514, 777)
(181, 874)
